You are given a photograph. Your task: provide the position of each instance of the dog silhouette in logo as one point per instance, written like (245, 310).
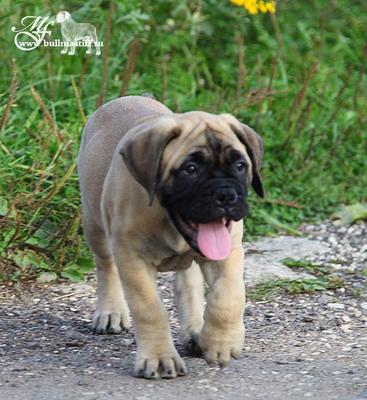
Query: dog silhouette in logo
(73, 32)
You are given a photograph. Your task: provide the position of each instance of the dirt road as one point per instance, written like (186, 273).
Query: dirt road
(309, 346)
(295, 348)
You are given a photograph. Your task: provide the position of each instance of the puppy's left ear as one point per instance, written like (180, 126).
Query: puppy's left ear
(255, 150)
(254, 147)
(143, 150)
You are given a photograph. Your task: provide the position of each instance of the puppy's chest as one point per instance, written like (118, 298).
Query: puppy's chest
(175, 263)
(167, 256)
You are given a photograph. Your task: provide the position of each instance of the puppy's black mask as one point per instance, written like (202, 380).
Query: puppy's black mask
(207, 188)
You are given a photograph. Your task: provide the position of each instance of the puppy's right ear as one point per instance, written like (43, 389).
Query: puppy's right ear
(143, 150)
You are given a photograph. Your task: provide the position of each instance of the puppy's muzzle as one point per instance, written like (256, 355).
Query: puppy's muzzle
(226, 197)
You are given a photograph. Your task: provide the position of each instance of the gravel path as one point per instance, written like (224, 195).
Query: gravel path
(309, 346)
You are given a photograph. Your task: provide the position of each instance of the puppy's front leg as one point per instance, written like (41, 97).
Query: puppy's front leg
(156, 355)
(223, 332)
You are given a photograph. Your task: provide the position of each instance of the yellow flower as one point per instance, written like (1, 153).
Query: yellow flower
(271, 7)
(256, 6)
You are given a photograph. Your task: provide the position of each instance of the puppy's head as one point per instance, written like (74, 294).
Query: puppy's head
(200, 167)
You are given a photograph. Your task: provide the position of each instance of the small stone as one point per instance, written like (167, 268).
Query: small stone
(74, 344)
(364, 305)
(249, 311)
(336, 372)
(345, 328)
(203, 381)
(324, 299)
(308, 318)
(336, 306)
(345, 318)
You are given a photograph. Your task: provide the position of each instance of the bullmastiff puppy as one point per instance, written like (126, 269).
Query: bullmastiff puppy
(167, 192)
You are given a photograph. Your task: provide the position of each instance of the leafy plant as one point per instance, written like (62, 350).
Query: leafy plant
(276, 287)
(350, 214)
(77, 271)
(307, 266)
(298, 77)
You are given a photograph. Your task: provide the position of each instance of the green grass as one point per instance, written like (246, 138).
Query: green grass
(277, 287)
(306, 266)
(303, 90)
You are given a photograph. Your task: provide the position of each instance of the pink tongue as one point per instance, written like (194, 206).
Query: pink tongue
(214, 241)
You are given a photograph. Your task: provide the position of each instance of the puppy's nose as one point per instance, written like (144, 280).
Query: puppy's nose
(226, 197)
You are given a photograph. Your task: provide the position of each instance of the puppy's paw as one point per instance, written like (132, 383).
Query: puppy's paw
(110, 321)
(190, 342)
(221, 345)
(166, 367)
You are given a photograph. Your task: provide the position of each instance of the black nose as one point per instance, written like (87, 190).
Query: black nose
(226, 197)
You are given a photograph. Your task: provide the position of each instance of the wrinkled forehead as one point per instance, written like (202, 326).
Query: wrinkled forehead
(210, 134)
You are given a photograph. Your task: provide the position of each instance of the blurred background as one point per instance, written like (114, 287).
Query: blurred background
(297, 76)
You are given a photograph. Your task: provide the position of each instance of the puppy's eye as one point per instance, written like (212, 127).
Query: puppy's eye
(190, 169)
(241, 165)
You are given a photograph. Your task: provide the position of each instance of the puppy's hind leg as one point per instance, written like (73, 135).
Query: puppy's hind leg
(190, 303)
(112, 313)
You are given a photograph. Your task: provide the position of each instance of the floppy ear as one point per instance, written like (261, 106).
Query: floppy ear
(255, 150)
(143, 150)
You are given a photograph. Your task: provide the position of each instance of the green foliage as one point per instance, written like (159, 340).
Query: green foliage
(307, 266)
(323, 279)
(75, 271)
(276, 287)
(325, 274)
(301, 84)
(350, 214)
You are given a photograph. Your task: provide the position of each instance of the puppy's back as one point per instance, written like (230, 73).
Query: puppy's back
(102, 133)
